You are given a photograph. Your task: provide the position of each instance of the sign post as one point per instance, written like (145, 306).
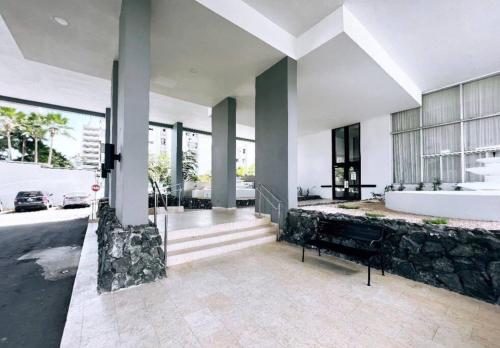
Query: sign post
(95, 188)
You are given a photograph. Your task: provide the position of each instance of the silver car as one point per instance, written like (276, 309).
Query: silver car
(76, 199)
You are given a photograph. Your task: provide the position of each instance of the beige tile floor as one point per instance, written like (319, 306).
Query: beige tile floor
(265, 297)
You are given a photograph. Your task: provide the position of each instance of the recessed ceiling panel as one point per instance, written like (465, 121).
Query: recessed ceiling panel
(339, 84)
(295, 16)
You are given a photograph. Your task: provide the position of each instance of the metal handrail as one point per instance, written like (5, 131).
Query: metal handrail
(178, 192)
(156, 191)
(264, 192)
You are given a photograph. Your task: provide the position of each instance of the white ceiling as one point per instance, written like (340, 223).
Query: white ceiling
(339, 89)
(295, 16)
(199, 57)
(437, 43)
(187, 36)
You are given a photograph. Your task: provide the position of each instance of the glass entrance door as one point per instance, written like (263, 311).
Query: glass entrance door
(346, 162)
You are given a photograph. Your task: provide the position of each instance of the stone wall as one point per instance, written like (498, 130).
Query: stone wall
(463, 260)
(127, 255)
(197, 203)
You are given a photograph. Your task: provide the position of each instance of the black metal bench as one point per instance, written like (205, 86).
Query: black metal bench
(370, 236)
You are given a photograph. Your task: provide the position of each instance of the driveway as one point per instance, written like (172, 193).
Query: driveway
(38, 262)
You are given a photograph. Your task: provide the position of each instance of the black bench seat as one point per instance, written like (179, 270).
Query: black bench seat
(370, 238)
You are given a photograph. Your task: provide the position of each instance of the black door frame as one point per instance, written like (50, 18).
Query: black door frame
(346, 164)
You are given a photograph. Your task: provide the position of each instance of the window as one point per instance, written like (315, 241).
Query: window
(451, 130)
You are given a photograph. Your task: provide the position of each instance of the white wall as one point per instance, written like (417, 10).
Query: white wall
(314, 163)
(15, 177)
(315, 158)
(376, 154)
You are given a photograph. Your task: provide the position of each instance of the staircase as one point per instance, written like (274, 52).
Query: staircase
(199, 243)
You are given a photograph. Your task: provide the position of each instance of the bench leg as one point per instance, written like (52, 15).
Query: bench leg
(382, 262)
(303, 253)
(369, 273)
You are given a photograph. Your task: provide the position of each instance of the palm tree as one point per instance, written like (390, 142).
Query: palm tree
(57, 125)
(8, 119)
(38, 128)
(24, 127)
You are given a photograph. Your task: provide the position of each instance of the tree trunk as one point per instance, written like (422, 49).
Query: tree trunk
(9, 146)
(49, 161)
(24, 149)
(36, 150)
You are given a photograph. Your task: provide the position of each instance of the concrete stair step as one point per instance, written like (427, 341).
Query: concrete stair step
(218, 228)
(219, 237)
(200, 252)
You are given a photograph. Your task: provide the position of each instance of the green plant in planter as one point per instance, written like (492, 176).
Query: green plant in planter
(436, 184)
(389, 188)
(374, 214)
(401, 186)
(348, 206)
(420, 186)
(436, 221)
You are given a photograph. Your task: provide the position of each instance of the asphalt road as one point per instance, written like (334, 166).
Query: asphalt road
(34, 297)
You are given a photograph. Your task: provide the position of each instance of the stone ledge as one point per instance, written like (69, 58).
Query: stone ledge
(127, 256)
(463, 260)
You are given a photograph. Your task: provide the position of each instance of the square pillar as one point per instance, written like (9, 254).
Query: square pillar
(133, 112)
(224, 154)
(114, 129)
(176, 163)
(276, 133)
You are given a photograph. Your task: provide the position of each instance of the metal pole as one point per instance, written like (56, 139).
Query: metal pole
(260, 200)
(279, 222)
(155, 203)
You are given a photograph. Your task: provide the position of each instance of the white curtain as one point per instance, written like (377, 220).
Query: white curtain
(406, 152)
(482, 97)
(482, 132)
(406, 120)
(441, 106)
(442, 138)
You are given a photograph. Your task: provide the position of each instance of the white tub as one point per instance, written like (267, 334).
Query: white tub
(471, 205)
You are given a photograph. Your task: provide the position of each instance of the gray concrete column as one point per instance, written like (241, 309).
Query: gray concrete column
(114, 128)
(276, 132)
(133, 112)
(107, 139)
(224, 154)
(176, 162)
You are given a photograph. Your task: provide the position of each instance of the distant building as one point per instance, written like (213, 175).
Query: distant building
(159, 141)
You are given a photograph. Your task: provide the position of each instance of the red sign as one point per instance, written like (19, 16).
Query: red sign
(96, 187)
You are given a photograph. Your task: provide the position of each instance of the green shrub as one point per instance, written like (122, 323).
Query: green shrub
(436, 221)
(348, 206)
(374, 214)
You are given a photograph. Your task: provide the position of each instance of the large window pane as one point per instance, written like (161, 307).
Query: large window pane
(471, 161)
(445, 168)
(441, 107)
(406, 148)
(442, 139)
(339, 145)
(482, 132)
(354, 142)
(431, 168)
(451, 169)
(73, 139)
(406, 120)
(482, 97)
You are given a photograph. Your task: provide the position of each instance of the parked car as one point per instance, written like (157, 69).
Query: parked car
(76, 199)
(32, 200)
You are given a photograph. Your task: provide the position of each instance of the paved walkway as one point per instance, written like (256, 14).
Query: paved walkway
(265, 297)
